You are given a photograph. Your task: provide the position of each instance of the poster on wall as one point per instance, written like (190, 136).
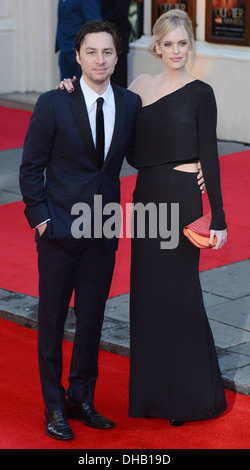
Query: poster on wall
(164, 6)
(227, 21)
(159, 7)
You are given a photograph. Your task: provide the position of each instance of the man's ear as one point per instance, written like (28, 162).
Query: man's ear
(78, 57)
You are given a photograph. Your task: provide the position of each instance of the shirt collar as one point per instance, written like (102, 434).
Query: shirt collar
(91, 96)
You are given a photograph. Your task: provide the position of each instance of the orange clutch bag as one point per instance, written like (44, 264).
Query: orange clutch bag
(198, 232)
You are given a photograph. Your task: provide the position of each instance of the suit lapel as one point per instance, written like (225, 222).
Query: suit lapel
(80, 113)
(120, 114)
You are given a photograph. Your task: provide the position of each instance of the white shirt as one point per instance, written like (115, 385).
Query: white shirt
(108, 111)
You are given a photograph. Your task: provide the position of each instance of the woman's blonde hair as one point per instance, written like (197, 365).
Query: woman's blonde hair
(167, 23)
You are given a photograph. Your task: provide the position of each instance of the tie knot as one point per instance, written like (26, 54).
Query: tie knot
(99, 102)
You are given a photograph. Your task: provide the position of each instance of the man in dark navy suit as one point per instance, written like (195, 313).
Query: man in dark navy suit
(63, 165)
(72, 14)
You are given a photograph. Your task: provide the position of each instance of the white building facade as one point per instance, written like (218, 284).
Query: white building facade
(29, 63)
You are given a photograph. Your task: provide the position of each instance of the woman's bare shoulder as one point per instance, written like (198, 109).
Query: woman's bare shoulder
(140, 82)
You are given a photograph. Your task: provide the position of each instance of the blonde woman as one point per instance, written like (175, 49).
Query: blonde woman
(174, 368)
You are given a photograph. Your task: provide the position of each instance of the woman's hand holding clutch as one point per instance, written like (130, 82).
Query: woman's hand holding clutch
(221, 236)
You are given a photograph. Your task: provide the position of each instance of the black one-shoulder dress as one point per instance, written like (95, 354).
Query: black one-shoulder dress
(174, 371)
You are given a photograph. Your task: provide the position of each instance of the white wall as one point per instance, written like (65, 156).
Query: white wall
(7, 31)
(227, 69)
(27, 42)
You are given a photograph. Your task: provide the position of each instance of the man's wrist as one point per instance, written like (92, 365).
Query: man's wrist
(42, 227)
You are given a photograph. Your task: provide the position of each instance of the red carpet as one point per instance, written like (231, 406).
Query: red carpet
(14, 124)
(18, 269)
(21, 420)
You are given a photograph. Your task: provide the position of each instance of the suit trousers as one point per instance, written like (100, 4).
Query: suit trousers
(88, 272)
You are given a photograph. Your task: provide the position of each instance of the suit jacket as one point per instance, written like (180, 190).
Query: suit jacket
(72, 14)
(116, 11)
(59, 142)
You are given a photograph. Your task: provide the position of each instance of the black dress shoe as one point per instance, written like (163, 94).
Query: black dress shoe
(87, 413)
(176, 423)
(56, 425)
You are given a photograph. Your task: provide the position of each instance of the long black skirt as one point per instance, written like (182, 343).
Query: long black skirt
(174, 371)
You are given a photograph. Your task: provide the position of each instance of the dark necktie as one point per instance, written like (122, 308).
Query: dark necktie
(99, 131)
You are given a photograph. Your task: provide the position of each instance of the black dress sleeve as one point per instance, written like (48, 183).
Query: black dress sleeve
(208, 155)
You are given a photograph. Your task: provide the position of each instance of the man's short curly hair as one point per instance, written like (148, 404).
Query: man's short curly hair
(98, 26)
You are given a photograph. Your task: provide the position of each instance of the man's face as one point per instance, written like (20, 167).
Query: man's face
(97, 58)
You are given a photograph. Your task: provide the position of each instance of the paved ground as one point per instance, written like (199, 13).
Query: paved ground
(226, 290)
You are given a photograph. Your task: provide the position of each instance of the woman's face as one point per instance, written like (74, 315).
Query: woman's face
(174, 48)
